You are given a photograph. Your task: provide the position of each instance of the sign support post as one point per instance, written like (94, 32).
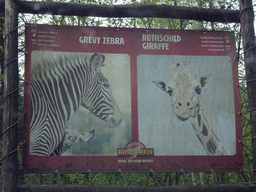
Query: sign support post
(10, 104)
(247, 29)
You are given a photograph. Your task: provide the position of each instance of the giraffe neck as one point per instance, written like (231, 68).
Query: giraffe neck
(206, 135)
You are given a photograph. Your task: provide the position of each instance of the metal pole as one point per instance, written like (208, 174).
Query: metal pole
(247, 30)
(10, 104)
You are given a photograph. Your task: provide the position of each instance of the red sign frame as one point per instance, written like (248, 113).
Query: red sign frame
(141, 45)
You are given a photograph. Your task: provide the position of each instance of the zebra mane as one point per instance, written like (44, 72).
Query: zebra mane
(45, 63)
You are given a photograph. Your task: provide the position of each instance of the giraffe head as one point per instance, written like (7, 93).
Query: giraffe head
(184, 90)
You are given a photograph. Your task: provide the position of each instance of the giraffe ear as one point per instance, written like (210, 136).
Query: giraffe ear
(206, 80)
(96, 62)
(160, 85)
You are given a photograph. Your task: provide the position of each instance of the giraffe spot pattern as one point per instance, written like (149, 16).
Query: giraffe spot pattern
(211, 147)
(204, 131)
(199, 119)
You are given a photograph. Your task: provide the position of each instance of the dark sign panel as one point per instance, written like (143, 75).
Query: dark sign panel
(105, 99)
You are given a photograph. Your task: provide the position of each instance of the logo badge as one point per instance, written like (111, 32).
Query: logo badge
(135, 149)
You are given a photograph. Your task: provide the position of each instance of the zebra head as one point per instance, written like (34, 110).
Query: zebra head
(98, 97)
(72, 137)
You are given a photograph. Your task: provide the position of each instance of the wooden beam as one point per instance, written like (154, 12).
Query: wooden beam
(128, 10)
(10, 104)
(82, 188)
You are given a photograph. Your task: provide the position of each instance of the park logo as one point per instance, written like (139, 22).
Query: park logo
(135, 149)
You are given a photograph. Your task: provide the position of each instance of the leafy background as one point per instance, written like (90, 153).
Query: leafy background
(206, 177)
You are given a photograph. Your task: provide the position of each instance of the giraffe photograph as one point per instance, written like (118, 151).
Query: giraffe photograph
(186, 104)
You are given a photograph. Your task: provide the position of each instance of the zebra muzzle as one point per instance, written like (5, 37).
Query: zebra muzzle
(113, 121)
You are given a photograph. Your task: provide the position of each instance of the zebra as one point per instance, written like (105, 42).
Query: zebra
(73, 136)
(59, 85)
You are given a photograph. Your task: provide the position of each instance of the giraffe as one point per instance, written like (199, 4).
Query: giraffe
(185, 92)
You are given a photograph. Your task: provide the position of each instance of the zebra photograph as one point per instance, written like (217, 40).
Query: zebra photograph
(80, 103)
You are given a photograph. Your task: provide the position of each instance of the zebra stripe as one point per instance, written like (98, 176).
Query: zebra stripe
(59, 86)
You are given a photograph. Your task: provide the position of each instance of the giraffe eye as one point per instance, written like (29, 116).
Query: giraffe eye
(198, 90)
(169, 91)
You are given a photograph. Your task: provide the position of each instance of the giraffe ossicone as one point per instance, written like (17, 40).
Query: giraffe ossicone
(185, 92)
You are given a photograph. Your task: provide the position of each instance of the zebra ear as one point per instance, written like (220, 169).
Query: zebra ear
(87, 136)
(96, 62)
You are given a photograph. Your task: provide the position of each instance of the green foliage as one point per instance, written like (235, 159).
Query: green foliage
(141, 179)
